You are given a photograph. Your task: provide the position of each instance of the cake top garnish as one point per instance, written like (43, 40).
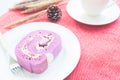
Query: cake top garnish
(39, 42)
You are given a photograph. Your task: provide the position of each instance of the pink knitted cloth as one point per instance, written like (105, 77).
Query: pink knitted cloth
(100, 45)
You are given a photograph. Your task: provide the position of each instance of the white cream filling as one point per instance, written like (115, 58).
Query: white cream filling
(50, 57)
(25, 50)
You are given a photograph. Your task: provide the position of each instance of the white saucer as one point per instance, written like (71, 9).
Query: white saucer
(76, 11)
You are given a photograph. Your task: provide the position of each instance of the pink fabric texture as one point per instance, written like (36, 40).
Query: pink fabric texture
(100, 45)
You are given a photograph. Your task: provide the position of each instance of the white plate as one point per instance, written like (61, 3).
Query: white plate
(60, 68)
(5, 5)
(76, 11)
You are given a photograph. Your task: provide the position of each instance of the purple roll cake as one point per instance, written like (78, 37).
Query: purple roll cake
(37, 49)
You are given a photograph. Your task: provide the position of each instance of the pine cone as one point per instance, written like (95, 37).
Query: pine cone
(54, 13)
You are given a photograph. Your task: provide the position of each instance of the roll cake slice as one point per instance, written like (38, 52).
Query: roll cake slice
(37, 49)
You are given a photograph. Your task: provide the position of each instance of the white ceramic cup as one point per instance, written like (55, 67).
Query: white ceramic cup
(95, 7)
